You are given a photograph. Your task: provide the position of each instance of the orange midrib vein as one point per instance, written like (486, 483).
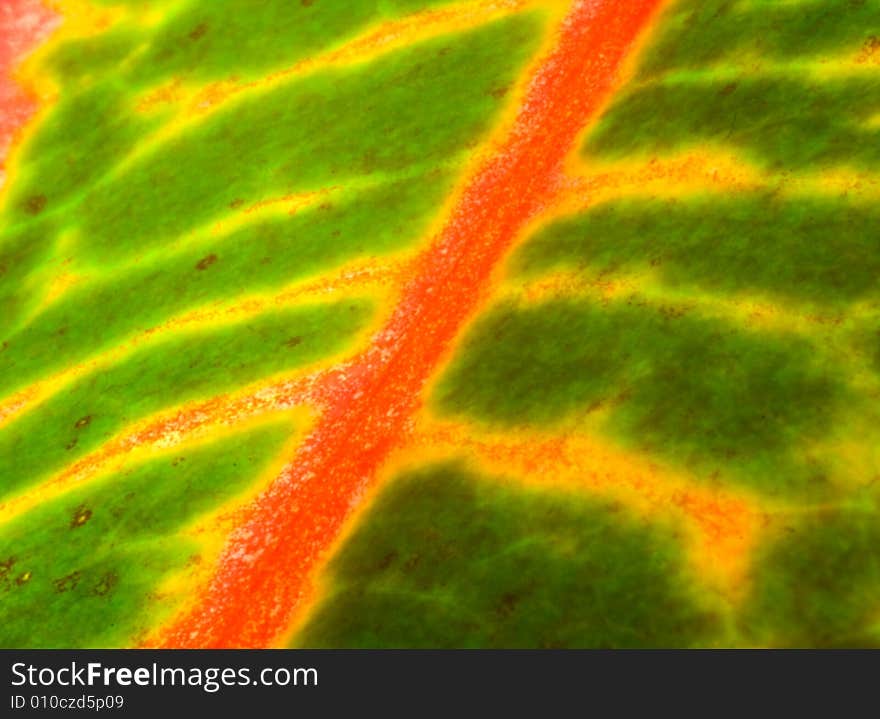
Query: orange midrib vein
(267, 565)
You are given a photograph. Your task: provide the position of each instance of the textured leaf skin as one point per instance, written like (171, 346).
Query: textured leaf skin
(657, 427)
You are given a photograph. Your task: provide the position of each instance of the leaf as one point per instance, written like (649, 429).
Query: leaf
(580, 317)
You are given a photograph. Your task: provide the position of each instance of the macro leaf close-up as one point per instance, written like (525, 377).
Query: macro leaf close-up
(523, 324)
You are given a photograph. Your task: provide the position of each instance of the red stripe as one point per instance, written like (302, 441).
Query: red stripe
(267, 564)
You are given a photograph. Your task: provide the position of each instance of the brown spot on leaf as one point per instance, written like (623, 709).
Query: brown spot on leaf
(23, 578)
(306, 3)
(293, 342)
(387, 560)
(67, 583)
(507, 604)
(83, 421)
(106, 583)
(206, 262)
(6, 566)
(236, 203)
(71, 444)
(81, 515)
(728, 88)
(671, 312)
(198, 31)
(35, 204)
